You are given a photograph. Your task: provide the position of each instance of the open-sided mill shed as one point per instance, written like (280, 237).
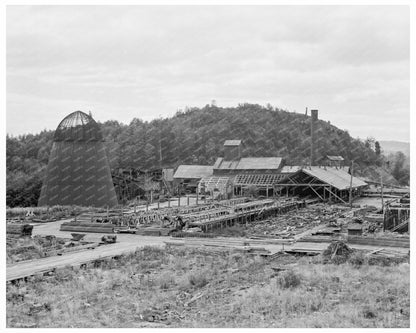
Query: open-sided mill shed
(327, 183)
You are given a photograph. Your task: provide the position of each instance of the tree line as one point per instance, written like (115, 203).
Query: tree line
(196, 136)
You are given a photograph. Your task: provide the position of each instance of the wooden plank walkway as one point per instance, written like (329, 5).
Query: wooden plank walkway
(33, 267)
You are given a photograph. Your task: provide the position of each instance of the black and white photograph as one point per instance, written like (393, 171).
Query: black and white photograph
(233, 165)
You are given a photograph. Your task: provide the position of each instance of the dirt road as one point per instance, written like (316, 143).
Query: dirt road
(127, 243)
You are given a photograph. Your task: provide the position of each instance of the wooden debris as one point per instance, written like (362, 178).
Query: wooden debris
(19, 230)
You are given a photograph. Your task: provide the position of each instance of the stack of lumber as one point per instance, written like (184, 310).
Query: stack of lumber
(380, 241)
(182, 234)
(239, 246)
(19, 230)
(318, 239)
(152, 231)
(37, 220)
(87, 227)
(389, 253)
(244, 245)
(54, 252)
(376, 218)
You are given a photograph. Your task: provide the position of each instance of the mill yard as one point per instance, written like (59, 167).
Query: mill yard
(247, 241)
(238, 262)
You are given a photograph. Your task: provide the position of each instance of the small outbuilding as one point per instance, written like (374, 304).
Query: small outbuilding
(187, 177)
(355, 229)
(335, 161)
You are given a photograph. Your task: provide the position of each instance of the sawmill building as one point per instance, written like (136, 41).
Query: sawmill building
(244, 172)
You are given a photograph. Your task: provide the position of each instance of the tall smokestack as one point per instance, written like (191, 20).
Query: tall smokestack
(314, 118)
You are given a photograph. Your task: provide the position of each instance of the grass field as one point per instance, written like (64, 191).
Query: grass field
(174, 287)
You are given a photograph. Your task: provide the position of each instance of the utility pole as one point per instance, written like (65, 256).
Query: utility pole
(160, 147)
(314, 119)
(381, 183)
(351, 171)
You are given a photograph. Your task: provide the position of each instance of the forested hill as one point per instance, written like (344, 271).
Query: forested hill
(194, 136)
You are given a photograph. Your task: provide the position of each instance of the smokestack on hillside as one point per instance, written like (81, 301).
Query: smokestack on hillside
(314, 119)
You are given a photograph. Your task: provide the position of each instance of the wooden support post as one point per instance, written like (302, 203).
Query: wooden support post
(317, 192)
(336, 196)
(350, 192)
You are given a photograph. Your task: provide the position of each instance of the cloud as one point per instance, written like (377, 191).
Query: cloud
(146, 61)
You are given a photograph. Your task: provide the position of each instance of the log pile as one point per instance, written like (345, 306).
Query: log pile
(19, 230)
(88, 227)
(380, 241)
(182, 234)
(149, 231)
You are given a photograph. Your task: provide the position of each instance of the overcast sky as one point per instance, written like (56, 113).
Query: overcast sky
(351, 63)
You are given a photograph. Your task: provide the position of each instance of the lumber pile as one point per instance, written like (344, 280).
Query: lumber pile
(318, 238)
(376, 218)
(88, 227)
(239, 246)
(380, 241)
(19, 230)
(74, 248)
(150, 231)
(182, 234)
(379, 253)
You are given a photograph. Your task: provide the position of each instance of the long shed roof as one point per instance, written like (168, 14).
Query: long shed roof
(249, 163)
(193, 171)
(335, 177)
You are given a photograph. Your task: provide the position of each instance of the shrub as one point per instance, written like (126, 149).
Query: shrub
(358, 258)
(369, 313)
(198, 279)
(289, 279)
(166, 280)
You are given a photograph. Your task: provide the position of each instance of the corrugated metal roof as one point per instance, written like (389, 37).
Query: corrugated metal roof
(257, 179)
(334, 158)
(193, 171)
(335, 177)
(249, 163)
(232, 142)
